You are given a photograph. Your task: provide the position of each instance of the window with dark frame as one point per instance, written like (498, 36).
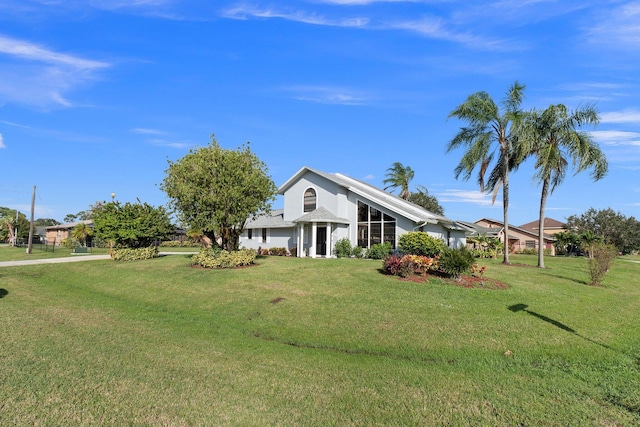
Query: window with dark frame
(374, 226)
(310, 200)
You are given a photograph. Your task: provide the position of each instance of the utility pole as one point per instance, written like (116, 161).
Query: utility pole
(33, 204)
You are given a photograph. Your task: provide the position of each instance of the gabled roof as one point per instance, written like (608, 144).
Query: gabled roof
(548, 223)
(394, 203)
(514, 228)
(273, 220)
(70, 225)
(321, 215)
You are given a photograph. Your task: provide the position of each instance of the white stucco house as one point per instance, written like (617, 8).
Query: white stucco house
(321, 208)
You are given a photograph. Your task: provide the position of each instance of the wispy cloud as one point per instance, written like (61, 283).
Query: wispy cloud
(617, 27)
(35, 75)
(465, 196)
(159, 142)
(2, 141)
(365, 2)
(246, 12)
(616, 137)
(328, 95)
(438, 29)
(625, 116)
(146, 131)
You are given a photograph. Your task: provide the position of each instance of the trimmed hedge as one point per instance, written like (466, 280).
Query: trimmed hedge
(420, 243)
(210, 258)
(127, 254)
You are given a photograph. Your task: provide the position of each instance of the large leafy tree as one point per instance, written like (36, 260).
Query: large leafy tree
(614, 228)
(398, 177)
(45, 222)
(133, 225)
(489, 139)
(217, 190)
(553, 138)
(421, 197)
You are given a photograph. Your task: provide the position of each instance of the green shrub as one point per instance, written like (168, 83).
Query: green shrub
(420, 243)
(278, 251)
(216, 258)
(343, 248)
(357, 252)
(128, 254)
(456, 262)
(601, 257)
(379, 251)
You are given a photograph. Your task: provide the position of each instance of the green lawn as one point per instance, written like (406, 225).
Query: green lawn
(316, 342)
(9, 253)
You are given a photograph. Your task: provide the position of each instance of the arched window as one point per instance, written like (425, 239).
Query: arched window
(310, 200)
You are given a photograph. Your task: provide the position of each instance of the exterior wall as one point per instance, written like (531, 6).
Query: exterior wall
(56, 236)
(328, 194)
(517, 239)
(276, 238)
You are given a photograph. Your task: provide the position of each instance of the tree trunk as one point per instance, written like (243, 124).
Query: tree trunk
(505, 205)
(543, 202)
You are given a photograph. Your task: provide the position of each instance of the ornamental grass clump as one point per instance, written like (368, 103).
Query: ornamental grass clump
(456, 262)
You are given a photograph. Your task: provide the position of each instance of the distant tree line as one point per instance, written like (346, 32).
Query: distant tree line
(604, 226)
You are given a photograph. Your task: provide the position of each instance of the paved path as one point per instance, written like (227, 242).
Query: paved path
(76, 258)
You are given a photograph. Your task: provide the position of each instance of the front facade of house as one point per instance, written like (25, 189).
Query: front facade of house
(55, 234)
(520, 239)
(322, 208)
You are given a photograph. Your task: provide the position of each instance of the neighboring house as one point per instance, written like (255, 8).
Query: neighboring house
(55, 234)
(321, 208)
(551, 226)
(519, 238)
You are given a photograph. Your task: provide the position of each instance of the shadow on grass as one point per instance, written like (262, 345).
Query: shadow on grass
(524, 307)
(3, 293)
(559, 276)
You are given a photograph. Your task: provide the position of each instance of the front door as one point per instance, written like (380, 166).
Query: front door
(321, 241)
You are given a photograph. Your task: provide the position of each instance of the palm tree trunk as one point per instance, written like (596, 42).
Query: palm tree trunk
(543, 202)
(505, 206)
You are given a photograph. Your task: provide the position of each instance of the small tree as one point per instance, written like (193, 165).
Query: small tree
(133, 225)
(217, 190)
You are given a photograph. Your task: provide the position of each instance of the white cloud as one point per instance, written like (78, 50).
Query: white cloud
(465, 196)
(145, 131)
(328, 95)
(241, 12)
(2, 141)
(22, 49)
(616, 137)
(617, 27)
(35, 75)
(625, 116)
(167, 143)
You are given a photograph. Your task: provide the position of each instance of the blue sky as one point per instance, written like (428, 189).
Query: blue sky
(97, 95)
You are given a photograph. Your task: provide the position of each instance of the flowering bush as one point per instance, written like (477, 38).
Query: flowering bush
(408, 265)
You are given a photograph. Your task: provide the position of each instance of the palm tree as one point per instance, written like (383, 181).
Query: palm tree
(553, 138)
(489, 125)
(81, 232)
(399, 176)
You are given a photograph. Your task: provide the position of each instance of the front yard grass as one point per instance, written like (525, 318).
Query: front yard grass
(316, 342)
